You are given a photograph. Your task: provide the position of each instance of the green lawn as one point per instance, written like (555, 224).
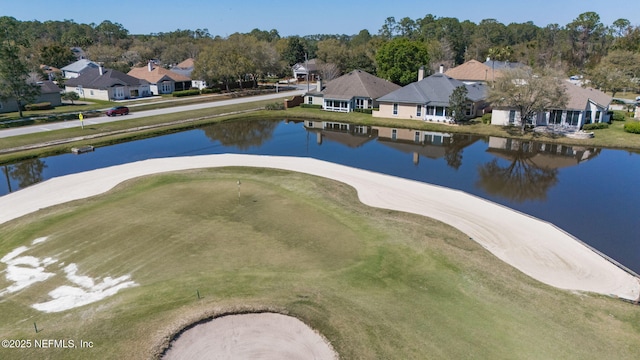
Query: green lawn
(378, 284)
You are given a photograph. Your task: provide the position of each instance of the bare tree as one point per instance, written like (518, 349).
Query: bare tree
(528, 93)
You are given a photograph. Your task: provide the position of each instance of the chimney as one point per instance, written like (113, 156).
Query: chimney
(441, 69)
(319, 85)
(150, 66)
(421, 73)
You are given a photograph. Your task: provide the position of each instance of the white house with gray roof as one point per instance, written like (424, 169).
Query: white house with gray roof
(74, 69)
(355, 90)
(428, 99)
(585, 106)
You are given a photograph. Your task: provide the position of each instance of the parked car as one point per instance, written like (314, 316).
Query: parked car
(118, 110)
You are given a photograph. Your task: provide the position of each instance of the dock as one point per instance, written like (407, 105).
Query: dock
(82, 149)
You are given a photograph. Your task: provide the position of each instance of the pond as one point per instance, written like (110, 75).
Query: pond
(588, 192)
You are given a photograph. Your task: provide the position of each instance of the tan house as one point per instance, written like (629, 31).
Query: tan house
(355, 90)
(428, 99)
(585, 106)
(161, 80)
(107, 84)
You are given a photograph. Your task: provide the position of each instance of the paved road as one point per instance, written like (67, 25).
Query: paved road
(23, 130)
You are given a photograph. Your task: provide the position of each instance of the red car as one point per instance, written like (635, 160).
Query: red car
(118, 110)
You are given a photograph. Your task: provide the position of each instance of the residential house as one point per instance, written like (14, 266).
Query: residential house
(355, 90)
(185, 68)
(428, 99)
(310, 68)
(540, 155)
(473, 71)
(74, 69)
(585, 106)
(49, 92)
(108, 84)
(161, 80)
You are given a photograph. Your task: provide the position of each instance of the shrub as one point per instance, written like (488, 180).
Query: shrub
(595, 126)
(39, 106)
(632, 127)
(186, 93)
(365, 111)
(275, 106)
(310, 106)
(210, 91)
(486, 118)
(619, 115)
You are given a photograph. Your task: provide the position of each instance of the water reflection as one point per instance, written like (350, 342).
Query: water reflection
(26, 173)
(241, 134)
(528, 169)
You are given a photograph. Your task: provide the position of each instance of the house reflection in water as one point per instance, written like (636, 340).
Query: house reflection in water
(428, 144)
(542, 155)
(529, 169)
(350, 135)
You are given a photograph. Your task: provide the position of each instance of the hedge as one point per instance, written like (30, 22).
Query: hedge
(486, 118)
(309, 106)
(632, 127)
(275, 106)
(38, 106)
(595, 126)
(366, 111)
(619, 115)
(186, 93)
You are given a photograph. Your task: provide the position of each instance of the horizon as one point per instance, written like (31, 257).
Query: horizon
(222, 19)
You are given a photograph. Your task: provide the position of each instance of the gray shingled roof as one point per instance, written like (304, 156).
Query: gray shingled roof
(579, 96)
(434, 90)
(48, 87)
(80, 66)
(91, 79)
(358, 83)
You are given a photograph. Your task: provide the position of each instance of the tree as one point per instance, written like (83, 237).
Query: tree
(71, 96)
(457, 110)
(56, 55)
(616, 71)
(13, 77)
(294, 52)
(528, 93)
(398, 60)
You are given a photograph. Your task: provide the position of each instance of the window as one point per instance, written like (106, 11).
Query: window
(573, 117)
(555, 117)
(512, 116)
(395, 109)
(439, 111)
(598, 116)
(361, 103)
(311, 124)
(416, 137)
(431, 110)
(587, 117)
(418, 110)
(394, 134)
(310, 100)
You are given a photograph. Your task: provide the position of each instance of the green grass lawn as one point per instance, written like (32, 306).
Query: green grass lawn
(378, 284)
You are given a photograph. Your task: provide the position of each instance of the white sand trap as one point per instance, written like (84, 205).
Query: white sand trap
(264, 336)
(535, 247)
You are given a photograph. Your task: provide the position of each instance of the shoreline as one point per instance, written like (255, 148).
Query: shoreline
(535, 247)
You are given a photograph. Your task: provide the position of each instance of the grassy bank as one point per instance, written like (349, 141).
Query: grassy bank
(377, 283)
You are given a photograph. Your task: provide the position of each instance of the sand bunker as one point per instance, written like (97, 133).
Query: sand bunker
(535, 247)
(251, 336)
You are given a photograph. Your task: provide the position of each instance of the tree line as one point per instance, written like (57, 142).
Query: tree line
(608, 54)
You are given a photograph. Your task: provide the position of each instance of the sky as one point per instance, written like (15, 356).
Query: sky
(290, 18)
